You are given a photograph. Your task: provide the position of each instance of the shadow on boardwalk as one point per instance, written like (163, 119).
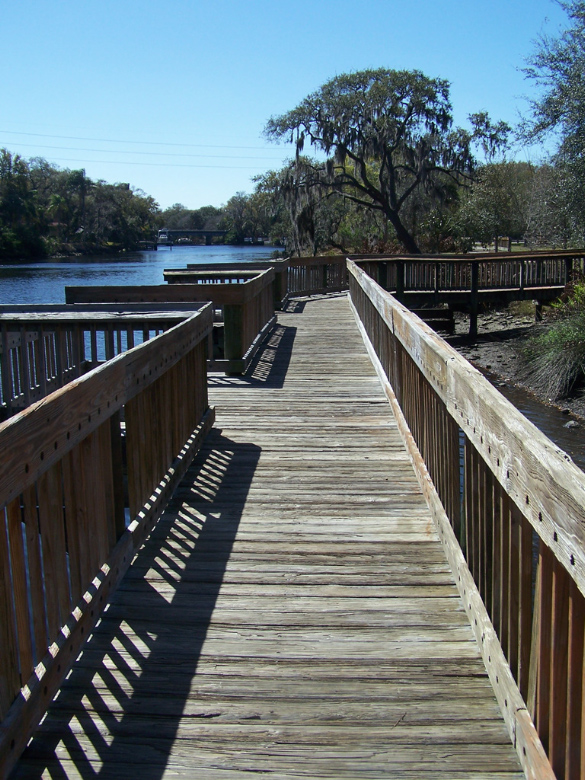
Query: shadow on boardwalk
(135, 673)
(269, 367)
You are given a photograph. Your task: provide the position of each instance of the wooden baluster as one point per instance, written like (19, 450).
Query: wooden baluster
(514, 585)
(25, 378)
(505, 552)
(497, 561)
(117, 461)
(575, 720)
(399, 265)
(559, 669)
(52, 527)
(525, 605)
(9, 668)
(93, 344)
(35, 571)
(70, 471)
(20, 589)
(474, 299)
(543, 689)
(7, 392)
(109, 342)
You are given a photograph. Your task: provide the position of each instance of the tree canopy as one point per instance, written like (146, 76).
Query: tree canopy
(44, 210)
(558, 68)
(388, 135)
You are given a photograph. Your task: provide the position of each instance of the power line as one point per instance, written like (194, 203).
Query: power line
(143, 143)
(160, 165)
(153, 154)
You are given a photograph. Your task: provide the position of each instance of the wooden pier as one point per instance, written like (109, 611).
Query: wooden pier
(293, 614)
(373, 565)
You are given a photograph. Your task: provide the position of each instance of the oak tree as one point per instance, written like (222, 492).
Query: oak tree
(387, 135)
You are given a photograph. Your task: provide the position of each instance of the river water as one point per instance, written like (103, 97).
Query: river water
(45, 282)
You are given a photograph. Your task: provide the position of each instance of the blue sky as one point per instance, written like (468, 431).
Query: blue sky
(173, 96)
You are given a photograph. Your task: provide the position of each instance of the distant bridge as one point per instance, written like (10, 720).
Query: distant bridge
(165, 235)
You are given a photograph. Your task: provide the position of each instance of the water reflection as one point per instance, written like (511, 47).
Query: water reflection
(44, 282)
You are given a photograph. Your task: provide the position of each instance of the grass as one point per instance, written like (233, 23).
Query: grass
(555, 354)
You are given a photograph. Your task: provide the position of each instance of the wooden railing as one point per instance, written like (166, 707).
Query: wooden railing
(45, 346)
(191, 275)
(245, 302)
(313, 275)
(65, 541)
(465, 281)
(509, 506)
(292, 276)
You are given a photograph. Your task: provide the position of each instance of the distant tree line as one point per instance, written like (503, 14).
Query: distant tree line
(47, 211)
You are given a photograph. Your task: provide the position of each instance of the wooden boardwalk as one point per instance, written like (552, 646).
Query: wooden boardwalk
(293, 614)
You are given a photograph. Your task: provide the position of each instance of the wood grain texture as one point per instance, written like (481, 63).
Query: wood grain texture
(536, 474)
(293, 613)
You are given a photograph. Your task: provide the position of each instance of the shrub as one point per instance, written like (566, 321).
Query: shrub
(555, 354)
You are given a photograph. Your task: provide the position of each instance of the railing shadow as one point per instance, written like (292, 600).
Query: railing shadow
(268, 368)
(119, 711)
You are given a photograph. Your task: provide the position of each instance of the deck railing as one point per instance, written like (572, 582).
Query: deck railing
(313, 275)
(292, 276)
(65, 541)
(510, 508)
(468, 280)
(43, 347)
(191, 274)
(453, 273)
(245, 303)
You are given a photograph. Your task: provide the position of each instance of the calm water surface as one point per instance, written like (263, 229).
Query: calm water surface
(45, 282)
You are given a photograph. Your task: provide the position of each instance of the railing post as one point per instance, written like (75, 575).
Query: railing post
(233, 317)
(117, 468)
(383, 275)
(522, 274)
(474, 299)
(325, 268)
(399, 279)
(280, 285)
(568, 269)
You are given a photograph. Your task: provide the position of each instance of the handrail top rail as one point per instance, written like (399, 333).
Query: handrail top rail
(537, 474)
(317, 260)
(218, 293)
(500, 257)
(204, 273)
(43, 432)
(278, 263)
(81, 313)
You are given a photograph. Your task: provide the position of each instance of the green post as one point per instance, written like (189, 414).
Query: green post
(233, 348)
(280, 287)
